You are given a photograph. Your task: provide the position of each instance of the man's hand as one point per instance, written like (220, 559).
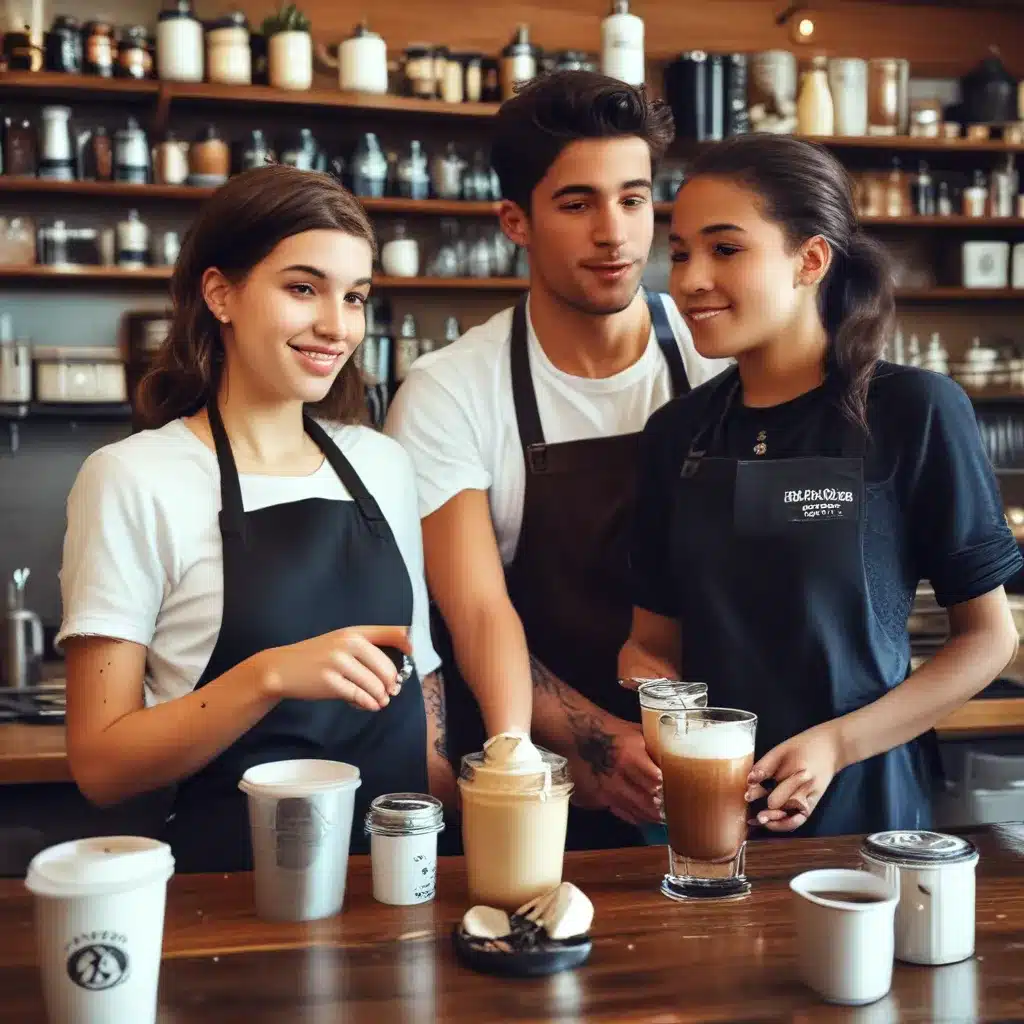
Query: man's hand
(610, 766)
(612, 770)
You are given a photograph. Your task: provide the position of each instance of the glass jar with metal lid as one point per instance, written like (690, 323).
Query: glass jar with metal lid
(403, 830)
(935, 876)
(135, 53)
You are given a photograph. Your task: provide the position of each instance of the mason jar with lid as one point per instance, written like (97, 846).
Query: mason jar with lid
(515, 810)
(935, 920)
(135, 53)
(228, 54)
(420, 77)
(403, 830)
(179, 44)
(99, 48)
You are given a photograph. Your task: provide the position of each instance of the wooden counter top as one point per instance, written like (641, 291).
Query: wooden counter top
(36, 753)
(653, 960)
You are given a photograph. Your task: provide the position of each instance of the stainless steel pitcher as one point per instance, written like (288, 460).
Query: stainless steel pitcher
(23, 636)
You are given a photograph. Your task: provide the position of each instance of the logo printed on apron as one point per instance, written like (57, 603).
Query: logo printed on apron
(811, 504)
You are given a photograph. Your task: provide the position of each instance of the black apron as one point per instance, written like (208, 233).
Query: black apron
(776, 615)
(291, 572)
(569, 577)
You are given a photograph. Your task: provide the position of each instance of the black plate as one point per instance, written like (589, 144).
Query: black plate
(544, 958)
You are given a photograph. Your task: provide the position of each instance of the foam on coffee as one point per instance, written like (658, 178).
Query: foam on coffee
(711, 741)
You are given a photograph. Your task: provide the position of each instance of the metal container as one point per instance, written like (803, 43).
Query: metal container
(935, 875)
(23, 636)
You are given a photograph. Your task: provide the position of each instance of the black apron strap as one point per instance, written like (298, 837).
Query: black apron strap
(669, 346)
(716, 411)
(232, 515)
(524, 398)
(365, 502)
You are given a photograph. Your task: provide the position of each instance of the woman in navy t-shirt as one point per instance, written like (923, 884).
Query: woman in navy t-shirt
(788, 509)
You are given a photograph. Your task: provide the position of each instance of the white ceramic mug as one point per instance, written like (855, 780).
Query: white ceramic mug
(844, 949)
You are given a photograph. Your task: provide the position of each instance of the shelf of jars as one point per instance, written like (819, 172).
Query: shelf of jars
(190, 193)
(41, 273)
(400, 206)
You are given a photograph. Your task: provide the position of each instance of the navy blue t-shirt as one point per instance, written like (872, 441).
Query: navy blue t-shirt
(932, 506)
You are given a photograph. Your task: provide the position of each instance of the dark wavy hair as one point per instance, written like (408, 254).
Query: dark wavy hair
(236, 229)
(805, 190)
(548, 113)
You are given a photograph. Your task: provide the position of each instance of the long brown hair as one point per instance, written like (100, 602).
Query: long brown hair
(236, 229)
(807, 191)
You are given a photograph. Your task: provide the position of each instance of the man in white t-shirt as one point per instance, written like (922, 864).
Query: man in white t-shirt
(523, 435)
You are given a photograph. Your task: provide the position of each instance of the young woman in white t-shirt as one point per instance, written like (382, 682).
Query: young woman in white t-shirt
(241, 580)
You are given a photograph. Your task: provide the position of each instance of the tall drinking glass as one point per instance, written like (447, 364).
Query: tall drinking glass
(706, 756)
(661, 695)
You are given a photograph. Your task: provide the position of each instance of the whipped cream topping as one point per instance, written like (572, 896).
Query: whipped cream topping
(511, 750)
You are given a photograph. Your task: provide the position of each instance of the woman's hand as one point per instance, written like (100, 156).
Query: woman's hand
(346, 664)
(803, 768)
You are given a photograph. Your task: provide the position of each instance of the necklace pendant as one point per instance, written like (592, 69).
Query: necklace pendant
(761, 448)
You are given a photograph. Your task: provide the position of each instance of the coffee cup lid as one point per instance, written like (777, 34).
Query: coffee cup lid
(913, 846)
(299, 777)
(99, 866)
(404, 814)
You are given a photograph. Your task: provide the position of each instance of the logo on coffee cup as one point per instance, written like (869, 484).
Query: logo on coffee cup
(98, 960)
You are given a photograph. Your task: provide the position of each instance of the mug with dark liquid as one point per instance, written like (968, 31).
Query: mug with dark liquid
(706, 756)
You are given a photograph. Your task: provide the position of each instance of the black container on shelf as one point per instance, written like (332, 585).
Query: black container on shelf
(260, 61)
(686, 90)
(737, 114)
(63, 49)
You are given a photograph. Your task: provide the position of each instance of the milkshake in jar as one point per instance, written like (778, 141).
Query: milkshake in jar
(515, 807)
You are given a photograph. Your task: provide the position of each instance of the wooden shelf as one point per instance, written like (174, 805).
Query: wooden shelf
(945, 294)
(188, 193)
(424, 207)
(910, 143)
(205, 92)
(956, 221)
(442, 284)
(434, 284)
(117, 275)
(52, 83)
(110, 189)
(83, 274)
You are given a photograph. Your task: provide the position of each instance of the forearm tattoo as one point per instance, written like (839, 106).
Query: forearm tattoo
(433, 698)
(594, 744)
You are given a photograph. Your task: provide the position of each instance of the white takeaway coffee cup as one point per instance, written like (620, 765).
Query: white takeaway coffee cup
(99, 910)
(300, 818)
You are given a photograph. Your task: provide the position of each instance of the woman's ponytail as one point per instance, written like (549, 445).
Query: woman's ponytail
(857, 308)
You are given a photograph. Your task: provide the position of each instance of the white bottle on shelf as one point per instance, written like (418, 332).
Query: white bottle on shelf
(622, 44)
(815, 112)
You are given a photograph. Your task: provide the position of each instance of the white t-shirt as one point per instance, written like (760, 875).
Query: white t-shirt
(143, 559)
(455, 416)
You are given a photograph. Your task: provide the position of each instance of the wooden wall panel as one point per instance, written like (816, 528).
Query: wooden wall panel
(939, 40)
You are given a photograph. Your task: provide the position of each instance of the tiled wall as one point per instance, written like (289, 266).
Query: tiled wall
(34, 485)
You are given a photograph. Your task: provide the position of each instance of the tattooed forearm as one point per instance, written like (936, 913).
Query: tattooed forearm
(594, 744)
(433, 698)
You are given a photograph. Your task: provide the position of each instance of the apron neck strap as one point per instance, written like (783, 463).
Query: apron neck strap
(365, 502)
(232, 512)
(524, 397)
(667, 342)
